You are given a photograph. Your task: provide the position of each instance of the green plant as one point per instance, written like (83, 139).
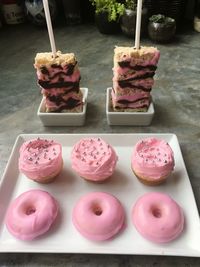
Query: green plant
(130, 4)
(161, 19)
(114, 9)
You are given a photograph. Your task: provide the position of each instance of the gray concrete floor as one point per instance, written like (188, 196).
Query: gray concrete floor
(176, 96)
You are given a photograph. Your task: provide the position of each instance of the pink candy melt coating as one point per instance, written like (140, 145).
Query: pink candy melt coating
(147, 83)
(158, 217)
(52, 104)
(72, 78)
(152, 158)
(31, 214)
(98, 216)
(132, 97)
(93, 159)
(40, 158)
(118, 72)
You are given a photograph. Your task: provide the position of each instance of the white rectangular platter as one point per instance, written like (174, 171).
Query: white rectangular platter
(64, 238)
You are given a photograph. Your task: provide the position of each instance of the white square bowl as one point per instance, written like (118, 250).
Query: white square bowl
(65, 118)
(127, 118)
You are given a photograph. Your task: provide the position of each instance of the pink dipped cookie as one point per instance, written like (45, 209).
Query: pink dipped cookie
(152, 161)
(93, 159)
(98, 216)
(41, 160)
(157, 217)
(31, 214)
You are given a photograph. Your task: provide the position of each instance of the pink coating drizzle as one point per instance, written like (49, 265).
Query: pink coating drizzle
(45, 77)
(126, 73)
(146, 83)
(93, 159)
(52, 104)
(55, 91)
(132, 97)
(152, 158)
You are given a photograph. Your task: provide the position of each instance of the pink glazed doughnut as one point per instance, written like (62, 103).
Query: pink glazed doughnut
(152, 161)
(41, 160)
(98, 216)
(157, 217)
(93, 159)
(31, 214)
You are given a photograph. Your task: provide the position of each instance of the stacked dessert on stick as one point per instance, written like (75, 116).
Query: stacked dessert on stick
(58, 76)
(59, 79)
(134, 68)
(133, 77)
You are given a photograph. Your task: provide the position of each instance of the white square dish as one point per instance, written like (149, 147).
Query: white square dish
(68, 187)
(127, 118)
(65, 118)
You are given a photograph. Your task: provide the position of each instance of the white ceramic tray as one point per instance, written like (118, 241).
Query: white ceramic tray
(65, 118)
(64, 238)
(127, 118)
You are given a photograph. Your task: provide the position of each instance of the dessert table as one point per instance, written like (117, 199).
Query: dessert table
(176, 98)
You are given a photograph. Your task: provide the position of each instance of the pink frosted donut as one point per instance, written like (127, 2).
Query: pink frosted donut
(93, 159)
(31, 214)
(158, 217)
(98, 216)
(152, 161)
(41, 159)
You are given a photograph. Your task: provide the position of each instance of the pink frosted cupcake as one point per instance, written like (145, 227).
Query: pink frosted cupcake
(41, 160)
(152, 161)
(93, 159)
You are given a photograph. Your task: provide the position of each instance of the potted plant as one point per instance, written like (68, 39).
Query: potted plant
(128, 19)
(197, 16)
(107, 15)
(161, 28)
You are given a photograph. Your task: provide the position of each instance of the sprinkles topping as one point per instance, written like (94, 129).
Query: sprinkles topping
(37, 151)
(154, 151)
(93, 150)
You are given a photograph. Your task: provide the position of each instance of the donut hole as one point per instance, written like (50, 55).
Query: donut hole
(156, 212)
(97, 210)
(30, 210)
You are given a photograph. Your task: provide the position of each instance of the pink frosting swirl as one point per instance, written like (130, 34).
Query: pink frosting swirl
(40, 158)
(152, 158)
(93, 159)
